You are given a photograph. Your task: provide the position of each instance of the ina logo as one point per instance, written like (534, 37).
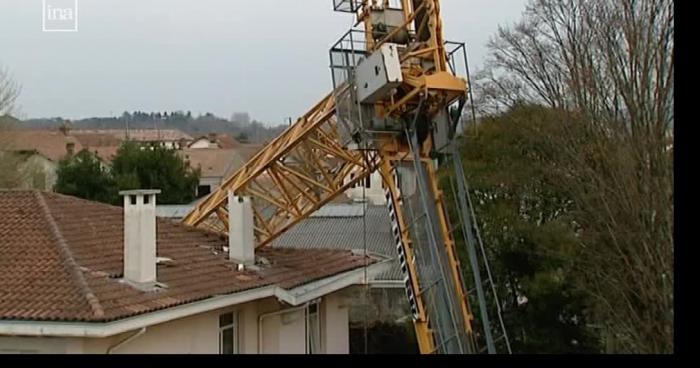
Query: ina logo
(60, 15)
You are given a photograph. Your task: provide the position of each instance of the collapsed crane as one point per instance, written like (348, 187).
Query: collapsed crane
(394, 109)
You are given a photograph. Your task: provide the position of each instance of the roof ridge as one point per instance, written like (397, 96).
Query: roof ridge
(68, 258)
(77, 199)
(231, 163)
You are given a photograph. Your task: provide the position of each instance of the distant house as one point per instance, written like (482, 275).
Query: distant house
(52, 144)
(214, 141)
(27, 170)
(371, 189)
(168, 138)
(82, 277)
(245, 151)
(103, 144)
(218, 156)
(216, 165)
(38, 153)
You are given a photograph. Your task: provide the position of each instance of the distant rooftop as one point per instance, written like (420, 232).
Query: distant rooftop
(51, 144)
(214, 162)
(223, 141)
(139, 135)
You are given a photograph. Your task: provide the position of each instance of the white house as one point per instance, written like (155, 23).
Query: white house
(83, 277)
(371, 189)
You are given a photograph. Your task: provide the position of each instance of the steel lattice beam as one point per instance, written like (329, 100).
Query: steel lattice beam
(307, 167)
(295, 175)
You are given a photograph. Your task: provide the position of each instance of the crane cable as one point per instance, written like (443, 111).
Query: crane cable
(364, 149)
(364, 239)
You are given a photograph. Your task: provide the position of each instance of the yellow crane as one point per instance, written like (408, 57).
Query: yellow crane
(388, 113)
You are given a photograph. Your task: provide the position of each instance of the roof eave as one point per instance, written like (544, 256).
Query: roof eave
(295, 296)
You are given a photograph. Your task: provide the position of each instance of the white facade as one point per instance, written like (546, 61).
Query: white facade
(285, 331)
(372, 190)
(35, 171)
(203, 143)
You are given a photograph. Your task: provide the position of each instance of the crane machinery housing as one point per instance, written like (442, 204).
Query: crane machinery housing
(394, 109)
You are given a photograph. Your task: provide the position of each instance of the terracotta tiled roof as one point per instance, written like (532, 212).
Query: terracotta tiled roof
(106, 153)
(139, 135)
(248, 151)
(214, 162)
(225, 141)
(336, 226)
(61, 260)
(52, 144)
(92, 140)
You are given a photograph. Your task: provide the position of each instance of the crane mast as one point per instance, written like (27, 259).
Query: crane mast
(388, 113)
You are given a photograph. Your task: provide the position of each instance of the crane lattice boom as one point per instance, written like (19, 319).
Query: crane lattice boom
(388, 112)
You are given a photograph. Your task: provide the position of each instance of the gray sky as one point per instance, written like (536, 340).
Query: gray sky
(267, 57)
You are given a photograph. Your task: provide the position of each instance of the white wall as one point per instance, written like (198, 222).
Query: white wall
(33, 345)
(374, 195)
(335, 325)
(203, 144)
(38, 173)
(282, 334)
(213, 181)
(194, 335)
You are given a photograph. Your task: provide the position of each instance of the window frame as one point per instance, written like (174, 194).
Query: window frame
(319, 327)
(232, 326)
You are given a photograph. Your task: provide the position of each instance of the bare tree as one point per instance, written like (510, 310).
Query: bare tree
(609, 65)
(9, 165)
(9, 90)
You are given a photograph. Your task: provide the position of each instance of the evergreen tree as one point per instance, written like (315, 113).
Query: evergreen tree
(134, 167)
(529, 233)
(138, 167)
(84, 176)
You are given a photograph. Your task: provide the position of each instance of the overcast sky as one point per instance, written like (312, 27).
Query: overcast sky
(267, 57)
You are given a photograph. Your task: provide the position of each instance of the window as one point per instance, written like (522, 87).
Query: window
(313, 329)
(228, 333)
(203, 191)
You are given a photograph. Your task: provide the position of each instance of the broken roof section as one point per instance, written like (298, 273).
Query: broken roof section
(345, 227)
(61, 260)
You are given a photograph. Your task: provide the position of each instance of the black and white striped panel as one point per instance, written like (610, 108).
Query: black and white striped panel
(400, 247)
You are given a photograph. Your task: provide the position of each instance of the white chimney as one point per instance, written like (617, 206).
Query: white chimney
(140, 237)
(241, 239)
